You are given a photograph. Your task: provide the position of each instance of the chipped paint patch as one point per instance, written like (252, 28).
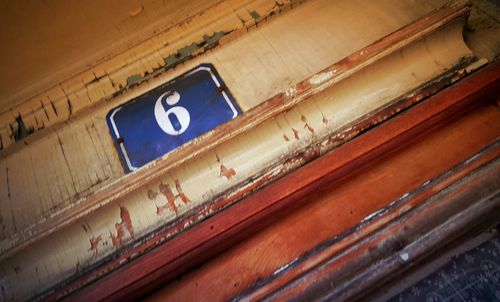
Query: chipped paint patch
(194, 49)
(59, 103)
(125, 224)
(321, 78)
(134, 79)
(228, 173)
(169, 195)
(255, 15)
(291, 92)
(180, 192)
(171, 198)
(94, 243)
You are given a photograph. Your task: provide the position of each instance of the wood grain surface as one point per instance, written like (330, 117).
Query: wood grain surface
(67, 208)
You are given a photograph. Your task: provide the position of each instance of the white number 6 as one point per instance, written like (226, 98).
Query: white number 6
(172, 120)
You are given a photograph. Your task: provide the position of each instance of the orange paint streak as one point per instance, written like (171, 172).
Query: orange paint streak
(169, 195)
(94, 242)
(125, 221)
(167, 192)
(228, 173)
(118, 239)
(183, 196)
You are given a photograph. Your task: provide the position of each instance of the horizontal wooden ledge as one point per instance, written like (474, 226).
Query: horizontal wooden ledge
(238, 221)
(276, 105)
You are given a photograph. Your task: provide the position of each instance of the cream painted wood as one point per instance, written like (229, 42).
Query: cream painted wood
(79, 156)
(65, 85)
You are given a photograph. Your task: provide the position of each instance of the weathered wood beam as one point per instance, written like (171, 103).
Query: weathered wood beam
(118, 229)
(251, 119)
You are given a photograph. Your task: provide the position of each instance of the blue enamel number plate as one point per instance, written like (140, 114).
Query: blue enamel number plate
(170, 115)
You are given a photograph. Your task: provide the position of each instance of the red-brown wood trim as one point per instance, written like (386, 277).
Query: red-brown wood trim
(283, 286)
(235, 223)
(376, 256)
(272, 107)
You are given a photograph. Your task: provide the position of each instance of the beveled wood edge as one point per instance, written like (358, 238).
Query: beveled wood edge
(216, 233)
(274, 106)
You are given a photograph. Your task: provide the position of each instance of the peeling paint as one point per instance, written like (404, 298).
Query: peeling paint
(180, 192)
(134, 79)
(155, 197)
(94, 243)
(228, 173)
(255, 15)
(193, 49)
(169, 195)
(167, 192)
(126, 222)
(22, 131)
(213, 39)
(291, 92)
(183, 54)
